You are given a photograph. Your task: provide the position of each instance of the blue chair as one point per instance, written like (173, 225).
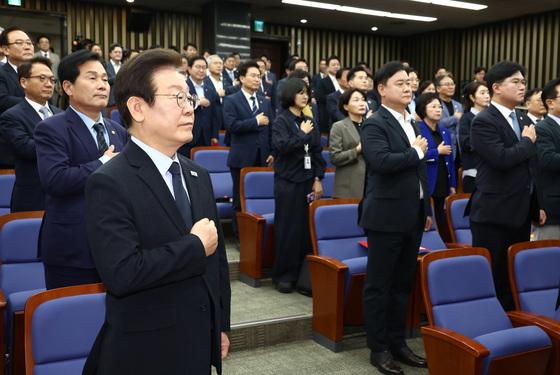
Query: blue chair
(255, 223)
(469, 332)
(21, 275)
(61, 327)
(7, 180)
(431, 240)
(214, 159)
(327, 156)
(328, 184)
(459, 225)
(324, 140)
(115, 116)
(222, 138)
(337, 269)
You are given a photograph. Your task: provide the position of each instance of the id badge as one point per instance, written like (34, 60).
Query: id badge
(307, 162)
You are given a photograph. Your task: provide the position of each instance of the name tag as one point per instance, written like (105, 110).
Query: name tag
(307, 162)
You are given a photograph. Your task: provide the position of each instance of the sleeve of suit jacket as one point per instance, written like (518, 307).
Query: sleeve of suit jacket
(15, 133)
(549, 159)
(6, 100)
(231, 118)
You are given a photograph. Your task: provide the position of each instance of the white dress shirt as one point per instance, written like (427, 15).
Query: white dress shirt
(116, 66)
(36, 106)
(198, 88)
(534, 119)
(89, 125)
(335, 82)
(506, 112)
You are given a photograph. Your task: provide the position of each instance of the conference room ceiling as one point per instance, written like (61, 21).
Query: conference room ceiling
(273, 11)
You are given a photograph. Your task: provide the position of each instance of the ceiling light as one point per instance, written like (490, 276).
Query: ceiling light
(374, 28)
(303, 20)
(347, 9)
(129, 1)
(454, 4)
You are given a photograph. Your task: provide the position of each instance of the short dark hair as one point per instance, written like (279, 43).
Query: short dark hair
(114, 45)
(387, 71)
(69, 67)
(500, 71)
(531, 92)
(294, 62)
(189, 44)
(144, 65)
(363, 64)
(24, 70)
(550, 91)
(438, 79)
(345, 99)
(300, 73)
(235, 53)
(424, 85)
(340, 71)
(470, 89)
(6, 32)
(479, 69)
(355, 70)
(38, 39)
(333, 57)
(422, 102)
(243, 68)
(196, 58)
(265, 56)
(291, 88)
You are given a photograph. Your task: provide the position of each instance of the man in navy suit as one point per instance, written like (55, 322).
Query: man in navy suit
(113, 66)
(18, 48)
(265, 87)
(504, 201)
(322, 73)
(215, 82)
(229, 73)
(247, 119)
(17, 126)
(70, 146)
(326, 86)
(205, 131)
(269, 75)
(333, 98)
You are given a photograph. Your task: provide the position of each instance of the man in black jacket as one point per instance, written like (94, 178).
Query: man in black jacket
(394, 212)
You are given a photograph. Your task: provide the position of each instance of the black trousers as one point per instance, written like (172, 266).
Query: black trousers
(291, 228)
(468, 184)
(441, 218)
(59, 276)
(497, 239)
(390, 276)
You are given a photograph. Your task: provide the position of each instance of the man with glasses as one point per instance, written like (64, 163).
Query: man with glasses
(155, 236)
(70, 146)
(452, 109)
(17, 126)
(504, 201)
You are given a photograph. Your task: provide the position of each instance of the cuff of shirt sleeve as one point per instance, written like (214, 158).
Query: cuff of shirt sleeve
(104, 159)
(419, 152)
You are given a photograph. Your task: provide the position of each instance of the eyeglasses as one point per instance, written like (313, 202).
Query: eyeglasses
(253, 76)
(21, 43)
(182, 99)
(43, 79)
(518, 82)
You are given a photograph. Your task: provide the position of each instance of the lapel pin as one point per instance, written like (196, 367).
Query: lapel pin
(193, 173)
(113, 132)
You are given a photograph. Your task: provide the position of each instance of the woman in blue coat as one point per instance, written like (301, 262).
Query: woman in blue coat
(439, 157)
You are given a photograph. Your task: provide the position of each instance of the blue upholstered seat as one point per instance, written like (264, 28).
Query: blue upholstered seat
(259, 197)
(431, 240)
(115, 116)
(6, 186)
(327, 156)
(328, 185)
(537, 273)
(460, 224)
(63, 331)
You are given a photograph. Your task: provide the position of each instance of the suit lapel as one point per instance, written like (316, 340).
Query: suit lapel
(193, 185)
(394, 124)
(351, 129)
(244, 103)
(82, 133)
(502, 120)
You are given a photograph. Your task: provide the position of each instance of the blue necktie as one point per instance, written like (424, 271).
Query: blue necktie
(515, 124)
(101, 143)
(254, 106)
(181, 195)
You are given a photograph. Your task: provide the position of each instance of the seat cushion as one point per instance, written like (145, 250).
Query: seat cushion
(355, 266)
(512, 341)
(68, 367)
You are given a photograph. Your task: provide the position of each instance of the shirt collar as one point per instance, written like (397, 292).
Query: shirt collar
(247, 95)
(398, 116)
(115, 63)
(36, 106)
(196, 85)
(533, 118)
(555, 118)
(505, 111)
(12, 65)
(160, 160)
(88, 121)
(474, 111)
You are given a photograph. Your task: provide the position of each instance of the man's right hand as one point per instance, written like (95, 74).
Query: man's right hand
(529, 132)
(262, 119)
(421, 142)
(206, 231)
(110, 152)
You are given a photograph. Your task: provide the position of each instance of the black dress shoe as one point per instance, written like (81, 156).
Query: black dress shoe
(285, 286)
(384, 362)
(406, 356)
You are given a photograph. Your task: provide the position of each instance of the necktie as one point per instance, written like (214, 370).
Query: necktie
(46, 55)
(181, 195)
(254, 105)
(45, 112)
(515, 124)
(101, 143)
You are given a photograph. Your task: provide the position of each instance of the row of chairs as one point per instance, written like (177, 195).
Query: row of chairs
(7, 180)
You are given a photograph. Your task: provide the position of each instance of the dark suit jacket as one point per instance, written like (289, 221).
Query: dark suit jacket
(11, 94)
(245, 134)
(548, 180)
(324, 88)
(163, 293)
(111, 75)
(17, 126)
(469, 159)
(332, 107)
(393, 172)
(205, 125)
(315, 81)
(504, 175)
(217, 103)
(66, 157)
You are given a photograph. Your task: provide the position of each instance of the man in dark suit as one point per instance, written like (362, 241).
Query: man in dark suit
(215, 82)
(113, 65)
(548, 152)
(70, 146)
(326, 86)
(332, 99)
(265, 87)
(17, 126)
(322, 73)
(269, 75)
(291, 65)
(534, 104)
(230, 74)
(247, 116)
(396, 185)
(504, 200)
(205, 131)
(155, 236)
(18, 48)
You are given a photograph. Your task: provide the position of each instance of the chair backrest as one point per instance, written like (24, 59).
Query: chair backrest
(459, 292)
(459, 225)
(60, 328)
(534, 276)
(214, 160)
(431, 240)
(334, 229)
(6, 186)
(324, 139)
(327, 156)
(256, 187)
(20, 268)
(222, 138)
(115, 116)
(328, 183)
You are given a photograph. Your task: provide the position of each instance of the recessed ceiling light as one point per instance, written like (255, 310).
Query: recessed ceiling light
(369, 12)
(303, 20)
(374, 28)
(454, 4)
(129, 1)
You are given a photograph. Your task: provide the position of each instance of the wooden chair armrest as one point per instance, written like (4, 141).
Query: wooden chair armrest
(328, 262)
(453, 245)
(250, 216)
(524, 318)
(3, 300)
(464, 343)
